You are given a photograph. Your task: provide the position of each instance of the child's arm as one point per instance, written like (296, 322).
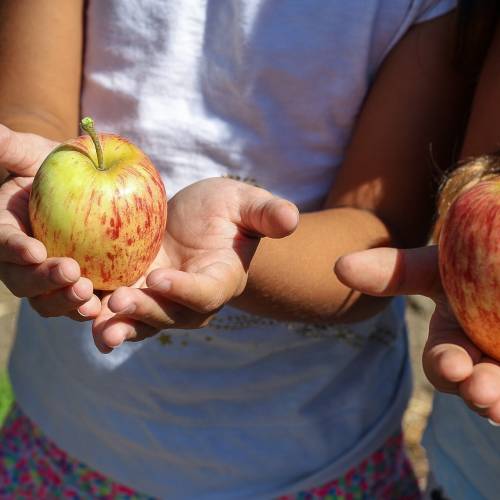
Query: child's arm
(452, 363)
(384, 193)
(41, 56)
(407, 130)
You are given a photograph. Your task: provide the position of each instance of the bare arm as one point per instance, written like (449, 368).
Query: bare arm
(412, 117)
(41, 56)
(483, 128)
(452, 363)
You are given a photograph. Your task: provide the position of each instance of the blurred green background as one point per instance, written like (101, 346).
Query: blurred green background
(6, 396)
(8, 317)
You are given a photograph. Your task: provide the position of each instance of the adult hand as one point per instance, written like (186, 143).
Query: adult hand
(53, 285)
(452, 363)
(213, 230)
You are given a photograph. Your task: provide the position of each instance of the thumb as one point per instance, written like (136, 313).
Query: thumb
(390, 271)
(22, 153)
(268, 215)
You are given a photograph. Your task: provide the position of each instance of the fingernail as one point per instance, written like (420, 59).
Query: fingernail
(482, 407)
(104, 349)
(78, 297)
(91, 306)
(81, 314)
(163, 285)
(494, 424)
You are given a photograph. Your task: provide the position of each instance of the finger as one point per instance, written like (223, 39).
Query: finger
(33, 280)
(494, 414)
(111, 333)
(449, 356)
(446, 366)
(153, 309)
(479, 410)
(14, 200)
(204, 291)
(90, 309)
(389, 271)
(263, 214)
(482, 387)
(22, 153)
(118, 331)
(64, 300)
(86, 312)
(18, 248)
(104, 315)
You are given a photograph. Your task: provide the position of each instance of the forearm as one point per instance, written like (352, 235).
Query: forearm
(24, 121)
(387, 170)
(293, 279)
(40, 55)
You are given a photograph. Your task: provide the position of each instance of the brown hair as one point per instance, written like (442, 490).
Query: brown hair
(467, 174)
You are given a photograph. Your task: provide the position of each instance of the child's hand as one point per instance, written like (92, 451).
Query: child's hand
(213, 229)
(53, 285)
(452, 363)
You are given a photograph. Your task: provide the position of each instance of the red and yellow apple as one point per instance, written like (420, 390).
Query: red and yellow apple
(100, 200)
(469, 262)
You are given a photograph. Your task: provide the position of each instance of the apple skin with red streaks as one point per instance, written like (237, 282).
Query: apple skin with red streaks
(111, 220)
(469, 263)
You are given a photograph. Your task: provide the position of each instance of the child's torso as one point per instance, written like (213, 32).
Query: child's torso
(247, 408)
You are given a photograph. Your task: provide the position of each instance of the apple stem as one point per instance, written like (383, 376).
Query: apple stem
(87, 125)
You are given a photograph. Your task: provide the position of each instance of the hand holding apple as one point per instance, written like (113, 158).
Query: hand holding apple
(53, 285)
(214, 228)
(469, 258)
(452, 363)
(100, 201)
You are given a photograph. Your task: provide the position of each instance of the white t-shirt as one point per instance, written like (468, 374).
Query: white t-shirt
(249, 407)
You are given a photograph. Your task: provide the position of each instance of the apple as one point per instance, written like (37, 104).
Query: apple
(100, 200)
(469, 263)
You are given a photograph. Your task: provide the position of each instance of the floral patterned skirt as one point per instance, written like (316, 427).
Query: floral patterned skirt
(33, 467)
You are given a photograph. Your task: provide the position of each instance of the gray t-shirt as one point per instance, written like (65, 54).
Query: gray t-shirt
(248, 408)
(463, 450)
